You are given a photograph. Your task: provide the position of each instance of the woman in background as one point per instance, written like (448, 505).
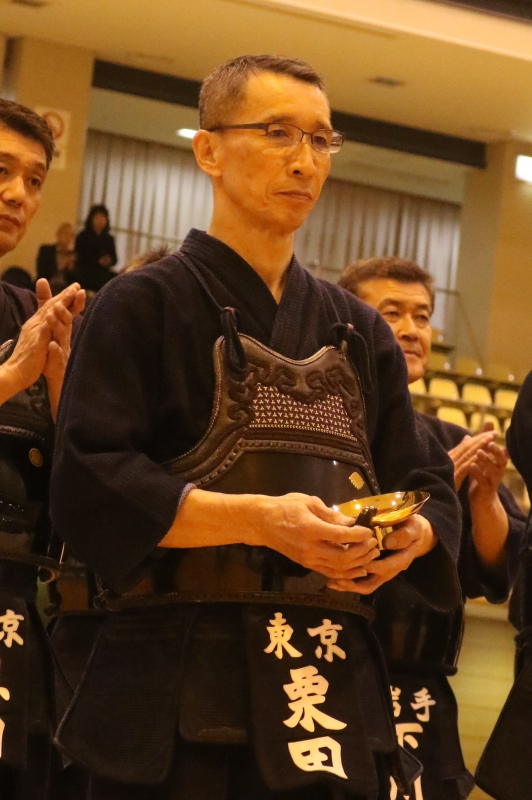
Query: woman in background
(95, 250)
(56, 262)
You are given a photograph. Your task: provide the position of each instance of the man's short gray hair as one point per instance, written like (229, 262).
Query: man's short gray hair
(223, 90)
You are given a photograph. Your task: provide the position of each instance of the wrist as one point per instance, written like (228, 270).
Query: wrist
(484, 500)
(429, 538)
(10, 381)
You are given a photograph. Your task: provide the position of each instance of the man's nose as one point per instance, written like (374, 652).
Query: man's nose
(304, 161)
(408, 327)
(13, 190)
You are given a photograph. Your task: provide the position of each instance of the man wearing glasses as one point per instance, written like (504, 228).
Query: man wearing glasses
(234, 401)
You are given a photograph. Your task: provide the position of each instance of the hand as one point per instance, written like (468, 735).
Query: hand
(104, 261)
(61, 325)
(411, 540)
(486, 473)
(29, 358)
(310, 533)
(73, 297)
(300, 527)
(464, 455)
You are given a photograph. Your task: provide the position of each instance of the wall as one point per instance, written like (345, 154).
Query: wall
(45, 74)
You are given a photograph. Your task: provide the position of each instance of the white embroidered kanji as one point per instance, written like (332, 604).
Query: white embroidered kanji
(280, 635)
(396, 694)
(404, 732)
(10, 622)
(328, 634)
(404, 729)
(307, 691)
(4, 694)
(318, 755)
(423, 700)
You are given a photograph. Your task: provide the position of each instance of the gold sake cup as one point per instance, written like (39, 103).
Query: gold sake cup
(392, 509)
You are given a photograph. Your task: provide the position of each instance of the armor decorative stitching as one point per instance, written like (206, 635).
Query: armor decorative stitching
(272, 409)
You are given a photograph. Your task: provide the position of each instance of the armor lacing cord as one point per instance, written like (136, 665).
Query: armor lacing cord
(346, 338)
(236, 356)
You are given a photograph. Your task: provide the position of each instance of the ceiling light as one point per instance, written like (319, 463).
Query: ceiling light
(382, 80)
(30, 3)
(188, 133)
(523, 168)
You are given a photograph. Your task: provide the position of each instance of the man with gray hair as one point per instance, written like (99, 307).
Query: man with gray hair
(421, 645)
(234, 401)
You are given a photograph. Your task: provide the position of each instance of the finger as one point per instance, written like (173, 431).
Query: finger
(338, 560)
(461, 472)
(480, 441)
(79, 303)
(347, 560)
(43, 291)
(331, 515)
(456, 451)
(491, 461)
(65, 298)
(59, 312)
(55, 352)
(363, 585)
(343, 586)
(341, 534)
(489, 425)
(399, 539)
(499, 454)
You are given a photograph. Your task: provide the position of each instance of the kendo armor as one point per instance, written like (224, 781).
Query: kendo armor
(25, 461)
(277, 426)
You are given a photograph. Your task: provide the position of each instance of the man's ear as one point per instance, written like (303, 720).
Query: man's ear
(207, 152)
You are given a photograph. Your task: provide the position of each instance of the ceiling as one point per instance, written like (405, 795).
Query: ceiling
(462, 72)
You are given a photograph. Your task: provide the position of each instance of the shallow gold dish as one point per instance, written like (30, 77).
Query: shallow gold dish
(392, 509)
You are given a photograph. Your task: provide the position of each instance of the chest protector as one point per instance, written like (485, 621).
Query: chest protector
(26, 432)
(278, 426)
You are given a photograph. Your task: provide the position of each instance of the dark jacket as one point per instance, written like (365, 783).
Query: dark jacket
(90, 247)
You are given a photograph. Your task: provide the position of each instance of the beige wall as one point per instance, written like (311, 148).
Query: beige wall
(495, 260)
(45, 74)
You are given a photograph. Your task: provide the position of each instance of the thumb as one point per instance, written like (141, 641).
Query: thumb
(43, 291)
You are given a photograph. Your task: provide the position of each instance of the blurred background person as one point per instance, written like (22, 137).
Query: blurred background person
(56, 262)
(18, 276)
(422, 645)
(95, 250)
(505, 769)
(150, 257)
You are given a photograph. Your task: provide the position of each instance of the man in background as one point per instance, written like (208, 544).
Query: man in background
(34, 347)
(422, 646)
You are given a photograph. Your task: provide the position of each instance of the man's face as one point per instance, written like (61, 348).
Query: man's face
(22, 173)
(268, 186)
(407, 310)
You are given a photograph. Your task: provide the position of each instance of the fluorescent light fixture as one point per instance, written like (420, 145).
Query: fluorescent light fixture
(189, 133)
(523, 168)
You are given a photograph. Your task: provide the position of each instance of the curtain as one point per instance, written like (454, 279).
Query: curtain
(155, 193)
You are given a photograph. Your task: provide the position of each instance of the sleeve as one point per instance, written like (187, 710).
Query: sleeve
(474, 580)
(519, 435)
(408, 457)
(44, 267)
(112, 250)
(110, 501)
(81, 250)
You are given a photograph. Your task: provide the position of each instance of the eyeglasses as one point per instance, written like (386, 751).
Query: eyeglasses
(283, 134)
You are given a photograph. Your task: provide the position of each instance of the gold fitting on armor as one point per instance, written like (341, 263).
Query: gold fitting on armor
(36, 457)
